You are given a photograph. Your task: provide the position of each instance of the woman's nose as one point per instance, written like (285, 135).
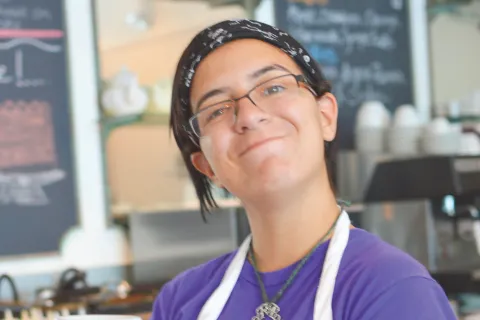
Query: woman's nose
(249, 115)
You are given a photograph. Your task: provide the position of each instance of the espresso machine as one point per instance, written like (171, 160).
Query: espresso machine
(441, 197)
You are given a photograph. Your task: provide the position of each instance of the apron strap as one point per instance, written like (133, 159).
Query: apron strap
(212, 309)
(336, 249)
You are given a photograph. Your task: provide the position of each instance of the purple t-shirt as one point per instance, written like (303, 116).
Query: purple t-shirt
(375, 281)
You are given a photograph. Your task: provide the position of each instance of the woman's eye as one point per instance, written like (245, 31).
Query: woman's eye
(217, 113)
(273, 90)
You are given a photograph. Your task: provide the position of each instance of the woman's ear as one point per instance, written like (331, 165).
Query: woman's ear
(201, 164)
(328, 108)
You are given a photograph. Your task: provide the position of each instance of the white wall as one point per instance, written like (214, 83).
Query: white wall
(265, 12)
(455, 57)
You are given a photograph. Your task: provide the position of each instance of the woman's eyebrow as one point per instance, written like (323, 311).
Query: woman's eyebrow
(210, 94)
(267, 69)
(254, 75)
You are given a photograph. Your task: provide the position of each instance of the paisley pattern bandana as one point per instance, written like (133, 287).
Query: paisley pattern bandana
(223, 32)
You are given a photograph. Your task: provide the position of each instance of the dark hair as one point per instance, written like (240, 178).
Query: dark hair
(180, 114)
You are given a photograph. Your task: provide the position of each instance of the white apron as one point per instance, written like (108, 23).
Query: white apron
(323, 300)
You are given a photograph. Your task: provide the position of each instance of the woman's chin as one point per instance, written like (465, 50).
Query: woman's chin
(271, 176)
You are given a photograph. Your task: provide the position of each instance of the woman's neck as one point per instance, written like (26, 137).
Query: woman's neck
(285, 230)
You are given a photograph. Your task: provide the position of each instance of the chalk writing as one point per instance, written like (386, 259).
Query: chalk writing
(26, 134)
(350, 40)
(26, 189)
(327, 55)
(18, 74)
(381, 20)
(14, 16)
(397, 4)
(40, 14)
(373, 73)
(32, 42)
(354, 94)
(310, 2)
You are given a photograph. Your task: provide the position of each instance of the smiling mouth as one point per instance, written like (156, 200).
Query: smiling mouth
(257, 145)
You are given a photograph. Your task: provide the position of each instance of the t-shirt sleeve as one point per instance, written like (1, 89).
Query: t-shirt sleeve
(410, 298)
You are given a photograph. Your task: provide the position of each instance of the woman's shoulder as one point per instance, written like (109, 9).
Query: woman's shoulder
(371, 265)
(378, 280)
(368, 252)
(190, 287)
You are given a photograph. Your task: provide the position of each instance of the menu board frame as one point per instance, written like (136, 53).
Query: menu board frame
(38, 198)
(89, 212)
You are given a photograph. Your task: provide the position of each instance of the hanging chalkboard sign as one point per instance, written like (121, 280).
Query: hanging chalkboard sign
(363, 47)
(37, 192)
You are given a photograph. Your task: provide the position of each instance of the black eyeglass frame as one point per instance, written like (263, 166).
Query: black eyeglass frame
(300, 78)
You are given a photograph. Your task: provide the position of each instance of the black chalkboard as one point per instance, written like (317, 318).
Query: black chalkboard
(37, 189)
(362, 46)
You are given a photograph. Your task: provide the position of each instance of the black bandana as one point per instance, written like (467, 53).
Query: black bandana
(223, 32)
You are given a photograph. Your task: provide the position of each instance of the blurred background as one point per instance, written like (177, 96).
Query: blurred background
(96, 209)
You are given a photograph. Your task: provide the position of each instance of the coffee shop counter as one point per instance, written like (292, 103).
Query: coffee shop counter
(126, 289)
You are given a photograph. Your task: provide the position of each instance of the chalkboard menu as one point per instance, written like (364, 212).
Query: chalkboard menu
(362, 46)
(37, 191)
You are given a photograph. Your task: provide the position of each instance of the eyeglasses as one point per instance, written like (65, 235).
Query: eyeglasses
(266, 95)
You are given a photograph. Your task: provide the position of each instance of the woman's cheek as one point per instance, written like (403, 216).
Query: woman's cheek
(213, 151)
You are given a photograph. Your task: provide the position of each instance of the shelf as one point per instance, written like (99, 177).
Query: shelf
(459, 10)
(108, 124)
(121, 211)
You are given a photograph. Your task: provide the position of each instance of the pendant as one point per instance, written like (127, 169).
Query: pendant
(269, 309)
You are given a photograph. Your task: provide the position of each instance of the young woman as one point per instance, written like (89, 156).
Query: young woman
(252, 113)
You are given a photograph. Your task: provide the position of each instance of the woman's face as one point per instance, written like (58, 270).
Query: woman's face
(264, 149)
